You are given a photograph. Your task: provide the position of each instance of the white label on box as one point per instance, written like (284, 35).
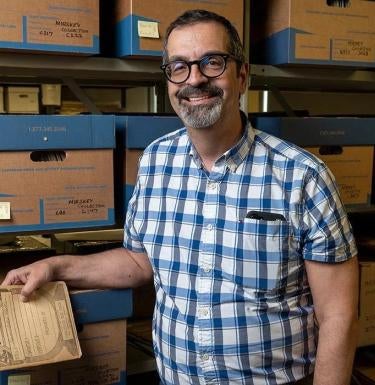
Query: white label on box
(148, 29)
(4, 210)
(19, 380)
(352, 50)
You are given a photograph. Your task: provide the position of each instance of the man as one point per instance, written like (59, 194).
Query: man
(244, 235)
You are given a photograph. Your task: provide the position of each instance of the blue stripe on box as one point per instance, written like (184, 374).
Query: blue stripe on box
(280, 48)
(4, 376)
(61, 226)
(127, 39)
(51, 132)
(140, 130)
(93, 50)
(101, 305)
(318, 131)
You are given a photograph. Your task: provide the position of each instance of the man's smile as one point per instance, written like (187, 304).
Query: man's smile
(196, 96)
(201, 99)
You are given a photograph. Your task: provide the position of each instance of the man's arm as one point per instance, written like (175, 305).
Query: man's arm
(334, 289)
(116, 268)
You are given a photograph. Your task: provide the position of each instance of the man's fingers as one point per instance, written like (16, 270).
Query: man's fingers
(30, 286)
(14, 277)
(32, 276)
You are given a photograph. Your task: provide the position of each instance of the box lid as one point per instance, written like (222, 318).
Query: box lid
(101, 305)
(315, 131)
(140, 130)
(49, 132)
(23, 90)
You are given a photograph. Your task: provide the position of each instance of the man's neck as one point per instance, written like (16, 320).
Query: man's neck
(212, 142)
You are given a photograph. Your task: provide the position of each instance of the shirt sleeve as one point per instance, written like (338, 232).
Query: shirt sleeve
(131, 238)
(328, 235)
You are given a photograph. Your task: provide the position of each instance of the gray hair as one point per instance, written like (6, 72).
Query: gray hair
(195, 16)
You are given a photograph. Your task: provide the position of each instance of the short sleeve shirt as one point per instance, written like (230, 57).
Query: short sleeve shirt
(233, 304)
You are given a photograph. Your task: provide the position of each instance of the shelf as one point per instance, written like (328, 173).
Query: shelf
(40, 68)
(311, 78)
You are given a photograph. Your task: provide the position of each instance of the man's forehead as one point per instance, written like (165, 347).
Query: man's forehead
(211, 36)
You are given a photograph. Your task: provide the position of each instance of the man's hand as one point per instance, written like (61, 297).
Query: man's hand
(31, 276)
(115, 268)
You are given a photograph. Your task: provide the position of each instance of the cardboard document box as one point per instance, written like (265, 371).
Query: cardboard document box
(352, 167)
(366, 304)
(65, 26)
(56, 172)
(23, 100)
(313, 32)
(140, 25)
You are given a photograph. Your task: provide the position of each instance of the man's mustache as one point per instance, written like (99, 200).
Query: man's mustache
(204, 90)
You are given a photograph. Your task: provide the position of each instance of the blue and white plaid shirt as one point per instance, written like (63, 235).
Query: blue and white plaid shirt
(233, 305)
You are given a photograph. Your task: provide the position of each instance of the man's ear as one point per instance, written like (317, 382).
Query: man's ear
(244, 77)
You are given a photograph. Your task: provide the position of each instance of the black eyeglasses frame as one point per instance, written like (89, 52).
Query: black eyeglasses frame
(199, 62)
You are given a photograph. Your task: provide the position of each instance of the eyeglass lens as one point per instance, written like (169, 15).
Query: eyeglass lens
(210, 66)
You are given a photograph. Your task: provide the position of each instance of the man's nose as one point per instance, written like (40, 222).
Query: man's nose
(196, 76)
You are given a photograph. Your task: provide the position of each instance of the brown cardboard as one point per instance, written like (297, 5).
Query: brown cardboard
(2, 100)
(57, 193)
(366, 304)
(163, 14)
(315, 31)
(22, 100)
(131, 165)
(352, 169)
(38, 332)
(37, 25)
(103, 361)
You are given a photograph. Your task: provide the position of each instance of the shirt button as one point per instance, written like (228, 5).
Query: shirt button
(206, 269)
(209, 227)
(212, 186)
(205, 357)
(204, 312)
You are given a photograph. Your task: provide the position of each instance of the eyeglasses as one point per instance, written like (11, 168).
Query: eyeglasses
(211, 66)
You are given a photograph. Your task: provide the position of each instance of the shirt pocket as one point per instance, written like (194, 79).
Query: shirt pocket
(264, 254)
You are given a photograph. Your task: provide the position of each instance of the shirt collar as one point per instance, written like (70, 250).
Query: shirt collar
(235, 155)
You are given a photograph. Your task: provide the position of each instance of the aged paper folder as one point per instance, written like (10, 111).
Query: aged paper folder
(37, 332)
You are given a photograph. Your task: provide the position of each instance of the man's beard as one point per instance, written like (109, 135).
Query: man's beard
(200, 116)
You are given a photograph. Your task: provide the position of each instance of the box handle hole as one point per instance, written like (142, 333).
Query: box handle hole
(330, 150)
(48, 156)
(339, 3)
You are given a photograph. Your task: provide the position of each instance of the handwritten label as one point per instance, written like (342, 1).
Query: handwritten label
(5, 210)
(19, 380)
(148, 29)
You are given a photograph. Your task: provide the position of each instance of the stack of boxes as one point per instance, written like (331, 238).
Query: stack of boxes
(345, 144)
(140, 26)
(58, 171)
(100, 317)
(313, 32)
(43, 26)
(332, 34)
